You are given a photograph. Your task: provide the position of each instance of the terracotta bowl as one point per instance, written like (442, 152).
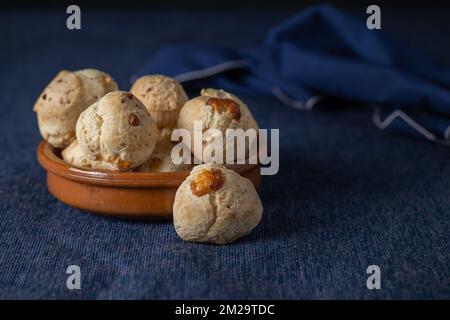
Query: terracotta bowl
(121, 194)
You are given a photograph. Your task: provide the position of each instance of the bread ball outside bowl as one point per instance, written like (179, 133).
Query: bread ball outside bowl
(215, 205)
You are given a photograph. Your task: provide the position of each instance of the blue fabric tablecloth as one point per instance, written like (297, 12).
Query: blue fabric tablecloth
(347, 195)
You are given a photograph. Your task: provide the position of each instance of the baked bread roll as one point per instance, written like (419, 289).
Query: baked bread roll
(74, 156)
(216, 109)
(215, 205)
(117, 132)
(161, 160)
(162, 96)
(246, 120)
(65, 97)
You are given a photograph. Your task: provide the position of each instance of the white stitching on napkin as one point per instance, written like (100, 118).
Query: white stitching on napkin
(383, 124)
(447, 133)
(296, 104)
(210, 71)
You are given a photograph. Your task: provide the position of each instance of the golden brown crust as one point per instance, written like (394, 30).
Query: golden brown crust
(206, 181)
(225, 106)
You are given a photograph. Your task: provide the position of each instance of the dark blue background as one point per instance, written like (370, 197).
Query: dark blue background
(347, 195)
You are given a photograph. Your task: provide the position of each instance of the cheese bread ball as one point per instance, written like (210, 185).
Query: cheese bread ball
(74, 156)
(246, 120)
(161, 160)
(162, 96)
(215, 109)
(62, 101)
(117, 132)
(215, 205)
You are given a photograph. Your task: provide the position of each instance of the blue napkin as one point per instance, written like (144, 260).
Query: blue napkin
(318, 54)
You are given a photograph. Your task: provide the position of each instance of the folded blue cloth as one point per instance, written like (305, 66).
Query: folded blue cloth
(324, 53)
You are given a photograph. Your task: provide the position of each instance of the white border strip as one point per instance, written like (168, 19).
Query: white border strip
(210, 71)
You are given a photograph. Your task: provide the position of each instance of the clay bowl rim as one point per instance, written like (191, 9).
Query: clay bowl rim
(51, 162)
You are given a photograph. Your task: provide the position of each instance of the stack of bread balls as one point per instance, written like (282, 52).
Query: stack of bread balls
(63, 100)
(163, 97)
(98, 127)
